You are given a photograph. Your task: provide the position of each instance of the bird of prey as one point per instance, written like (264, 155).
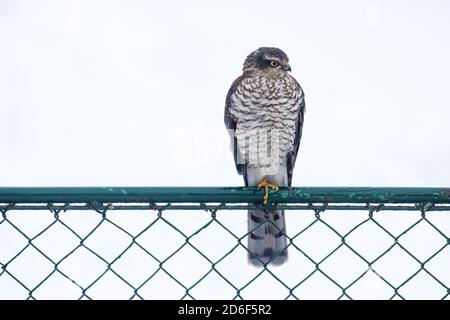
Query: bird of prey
(264, 112)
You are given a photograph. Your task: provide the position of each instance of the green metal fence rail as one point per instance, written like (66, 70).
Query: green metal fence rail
(216, 203)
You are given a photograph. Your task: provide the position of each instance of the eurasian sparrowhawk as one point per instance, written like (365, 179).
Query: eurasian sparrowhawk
(264, 115)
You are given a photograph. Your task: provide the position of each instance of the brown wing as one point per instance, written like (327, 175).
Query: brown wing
(230, 124)
(292, 156)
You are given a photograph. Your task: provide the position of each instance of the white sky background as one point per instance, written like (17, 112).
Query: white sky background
(131, 93)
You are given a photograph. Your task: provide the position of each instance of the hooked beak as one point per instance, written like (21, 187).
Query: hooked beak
(286, 67)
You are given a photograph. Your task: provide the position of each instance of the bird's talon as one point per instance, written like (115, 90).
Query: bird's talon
(264, 184)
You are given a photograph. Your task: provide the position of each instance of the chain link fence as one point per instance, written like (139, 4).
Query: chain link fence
(190, 243)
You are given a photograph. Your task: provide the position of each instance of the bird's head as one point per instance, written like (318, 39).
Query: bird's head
(271, 62)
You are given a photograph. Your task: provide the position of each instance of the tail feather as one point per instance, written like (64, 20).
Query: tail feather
(267, 237)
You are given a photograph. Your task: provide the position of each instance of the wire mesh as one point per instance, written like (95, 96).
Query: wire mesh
(198, 250)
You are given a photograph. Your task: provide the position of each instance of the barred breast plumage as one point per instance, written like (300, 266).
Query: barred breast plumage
(266, 110)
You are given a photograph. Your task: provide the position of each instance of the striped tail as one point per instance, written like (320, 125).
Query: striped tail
(266, 237)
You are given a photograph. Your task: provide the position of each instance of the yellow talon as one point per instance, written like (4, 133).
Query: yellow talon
(264, 184)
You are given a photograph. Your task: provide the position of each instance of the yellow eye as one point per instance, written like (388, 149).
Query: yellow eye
(274, 63)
